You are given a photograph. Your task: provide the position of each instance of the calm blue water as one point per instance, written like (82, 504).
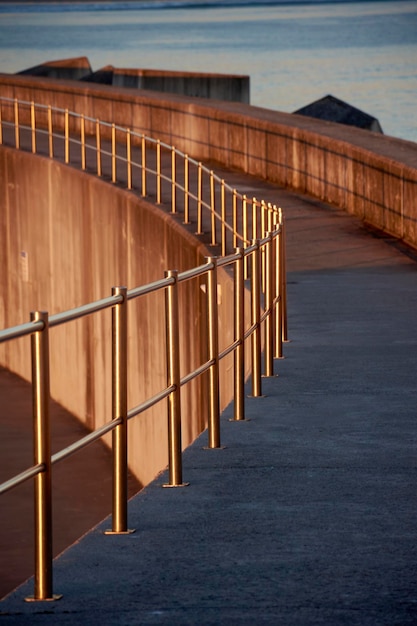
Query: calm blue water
(295, 52)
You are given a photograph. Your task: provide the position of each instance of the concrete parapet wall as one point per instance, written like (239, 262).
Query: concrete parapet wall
(66, 238)
(372, 176)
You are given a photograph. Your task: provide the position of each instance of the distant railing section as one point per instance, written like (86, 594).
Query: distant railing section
(263, 254)
(143, 164)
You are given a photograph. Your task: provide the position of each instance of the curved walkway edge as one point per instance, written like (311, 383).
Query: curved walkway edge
(307, 515)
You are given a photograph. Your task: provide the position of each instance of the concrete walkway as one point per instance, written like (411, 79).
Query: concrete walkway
(308, 514)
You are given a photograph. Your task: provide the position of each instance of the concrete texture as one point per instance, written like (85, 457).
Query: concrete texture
(307, 516)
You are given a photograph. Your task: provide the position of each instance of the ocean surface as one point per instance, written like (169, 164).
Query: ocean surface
(295, 51)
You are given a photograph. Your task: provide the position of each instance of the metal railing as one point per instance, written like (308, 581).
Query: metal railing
(143, 164)
(263, 255)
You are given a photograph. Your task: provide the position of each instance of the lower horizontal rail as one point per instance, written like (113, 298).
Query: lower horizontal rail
(22, 477)
(85, 441)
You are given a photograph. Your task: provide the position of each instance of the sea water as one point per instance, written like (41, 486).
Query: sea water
(295, 52)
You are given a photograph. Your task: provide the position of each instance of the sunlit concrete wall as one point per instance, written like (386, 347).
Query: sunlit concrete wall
(65, 239)
(372, 176)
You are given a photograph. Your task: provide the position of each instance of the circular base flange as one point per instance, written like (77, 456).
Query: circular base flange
(246, 419)
(168, 486)
(129, 531)
(56, 596)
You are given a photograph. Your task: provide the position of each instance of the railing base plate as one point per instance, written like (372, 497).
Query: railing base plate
(56, 596)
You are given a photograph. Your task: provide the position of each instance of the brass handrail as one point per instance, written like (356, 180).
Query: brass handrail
(267, 278)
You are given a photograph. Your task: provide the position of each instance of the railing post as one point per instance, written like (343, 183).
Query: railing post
(255, 233)
(42, 456)
(173, 181)
(129, 158)
(256, 321)
(264, 215)
(66, 124)
(269, 307)
(1, 125)
(98, 147)
(234, 217)
(223, 226)
(50, 133)
(213, 208)
(143, 155)
(284, 281)
(16, 124)
(239, 353)
(199, 198)
(113, 154)
(186, 191)
(264, 232)
(83, 147)
(278, 295)
(173, 381)
(245, 230)
(33, 126)
(119, 399)
(213, 354)
(158, 172)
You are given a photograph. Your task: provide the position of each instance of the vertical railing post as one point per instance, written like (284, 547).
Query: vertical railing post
(256, 320)
(129, 158)
(264, 215)
(213, 208)
(264, 232)
(223, 225)
(1, 125)
(269, 280)
(42, 457)
(66, 125)
(83, 146)
(186, 191)
(98, 147)
(113, 154)
(50, 133)
(33, 126)
(199, 198)
(158, 172)
(245, 230)
(119, 401)
(143, 156)
(234, 217)
(239, 353)
(16, 124)
(278, 294)
(255, 232)
(284, 281)
(173, 381)
(173, 181)
(213, 355)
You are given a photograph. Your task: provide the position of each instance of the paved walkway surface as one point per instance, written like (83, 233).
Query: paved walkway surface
(308, 514)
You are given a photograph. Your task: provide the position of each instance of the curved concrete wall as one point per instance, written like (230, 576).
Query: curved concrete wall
(372, 176)
(65, 239)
